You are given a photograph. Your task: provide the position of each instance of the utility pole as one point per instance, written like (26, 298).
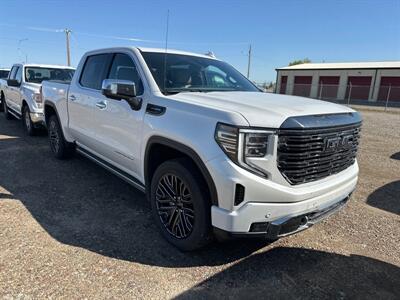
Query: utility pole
(67, 34)
(249, 62)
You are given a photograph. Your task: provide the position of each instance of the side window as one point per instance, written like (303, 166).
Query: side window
(124, 68)
(13, 72)
(94, 71)
(18, 76)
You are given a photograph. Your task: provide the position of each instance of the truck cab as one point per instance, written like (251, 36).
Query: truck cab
(20, 92)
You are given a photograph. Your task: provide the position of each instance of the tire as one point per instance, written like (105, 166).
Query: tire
(58, 145)
(183, 215)
(1, 104)
(27, 121)
(5, 109)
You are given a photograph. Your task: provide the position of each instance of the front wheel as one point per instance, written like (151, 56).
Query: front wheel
(59, 146)
(180, 204)
(27, 121)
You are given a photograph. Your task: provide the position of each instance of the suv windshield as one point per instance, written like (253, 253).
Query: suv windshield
(37, 74)
(187, 73)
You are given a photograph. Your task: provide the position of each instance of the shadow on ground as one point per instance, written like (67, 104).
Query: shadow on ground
(81, 204)
(386, 197)
(395, 156)
(287, 273)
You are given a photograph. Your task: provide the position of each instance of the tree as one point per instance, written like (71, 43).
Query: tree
(299, 62)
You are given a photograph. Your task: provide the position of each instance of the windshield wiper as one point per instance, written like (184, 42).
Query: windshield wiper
(194, 90)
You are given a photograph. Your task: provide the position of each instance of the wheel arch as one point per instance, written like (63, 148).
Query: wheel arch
(50, 109)
(155, 142)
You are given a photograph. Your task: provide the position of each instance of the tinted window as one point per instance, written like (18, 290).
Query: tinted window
(18, 76)
(37, 75)
(186, 73)
(124, 68)
(4, 74)
(94, 71)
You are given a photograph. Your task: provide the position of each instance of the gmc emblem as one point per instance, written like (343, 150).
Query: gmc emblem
(340, 142)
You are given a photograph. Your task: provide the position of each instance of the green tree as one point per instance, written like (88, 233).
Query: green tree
(299, 62)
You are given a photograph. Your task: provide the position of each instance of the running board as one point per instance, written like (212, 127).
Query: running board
(122, 174)
(14, 113)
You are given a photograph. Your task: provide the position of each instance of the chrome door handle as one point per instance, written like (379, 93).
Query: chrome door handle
(101, 104)
(72, 98)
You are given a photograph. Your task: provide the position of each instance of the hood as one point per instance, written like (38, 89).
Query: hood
(263, 109)
(32, 87)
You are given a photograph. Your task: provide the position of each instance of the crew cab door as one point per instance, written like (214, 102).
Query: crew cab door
(83, 96)
(118, 126)
(13, 94)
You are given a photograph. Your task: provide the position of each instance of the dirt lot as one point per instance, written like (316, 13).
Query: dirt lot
(69, 229)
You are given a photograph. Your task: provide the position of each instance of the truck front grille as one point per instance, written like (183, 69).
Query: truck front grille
(311, 154)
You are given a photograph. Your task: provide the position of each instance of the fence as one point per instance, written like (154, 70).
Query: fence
(385, 95)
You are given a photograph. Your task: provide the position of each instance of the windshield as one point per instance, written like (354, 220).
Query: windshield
(37, 74)
(187, 73)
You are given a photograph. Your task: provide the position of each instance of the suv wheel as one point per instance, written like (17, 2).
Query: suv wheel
(5, 109)
(180, 205)
(26, 120)
(59, 146)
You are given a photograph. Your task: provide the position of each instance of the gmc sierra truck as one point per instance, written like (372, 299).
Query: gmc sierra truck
(19, 93)
(214, 155)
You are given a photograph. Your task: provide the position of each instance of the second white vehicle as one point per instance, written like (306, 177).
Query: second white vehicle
(19, 93)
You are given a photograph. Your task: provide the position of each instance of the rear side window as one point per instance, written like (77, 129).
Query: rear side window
(124, 68)
(95, 71)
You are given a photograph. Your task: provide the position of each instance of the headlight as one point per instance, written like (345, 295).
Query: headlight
(37, 97)
(242, 145)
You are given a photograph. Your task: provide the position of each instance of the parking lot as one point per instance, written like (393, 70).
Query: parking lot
(70, 229)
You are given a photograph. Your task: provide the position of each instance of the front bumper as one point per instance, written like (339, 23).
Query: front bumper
(277, 214)
(38, 118)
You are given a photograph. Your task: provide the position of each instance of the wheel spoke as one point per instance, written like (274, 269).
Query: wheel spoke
(175, 206)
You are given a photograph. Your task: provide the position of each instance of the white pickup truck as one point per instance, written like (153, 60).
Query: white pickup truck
(19, 93)
(212, 152)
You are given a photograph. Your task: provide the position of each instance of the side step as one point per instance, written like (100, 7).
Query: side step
(122, 174)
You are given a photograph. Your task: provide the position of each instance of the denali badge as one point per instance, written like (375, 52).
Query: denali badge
(336, 143)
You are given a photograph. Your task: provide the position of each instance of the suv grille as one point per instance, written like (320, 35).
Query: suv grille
(311, 154)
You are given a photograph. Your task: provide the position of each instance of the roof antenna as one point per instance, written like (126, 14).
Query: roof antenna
(165, 54)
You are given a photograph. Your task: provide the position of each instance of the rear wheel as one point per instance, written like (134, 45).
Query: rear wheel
(27, 121)
(180, 204)
(2, 101)
(5, 109)
(59, 146)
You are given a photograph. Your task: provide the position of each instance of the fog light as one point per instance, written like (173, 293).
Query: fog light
(259, 227)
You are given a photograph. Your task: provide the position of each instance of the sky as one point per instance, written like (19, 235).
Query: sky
(278, 31)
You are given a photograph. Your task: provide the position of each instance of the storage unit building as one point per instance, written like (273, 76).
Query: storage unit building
(363, 81)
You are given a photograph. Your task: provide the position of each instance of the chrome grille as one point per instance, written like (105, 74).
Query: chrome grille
(312, 154)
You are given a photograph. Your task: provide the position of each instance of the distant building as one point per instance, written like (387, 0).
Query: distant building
(366, 81)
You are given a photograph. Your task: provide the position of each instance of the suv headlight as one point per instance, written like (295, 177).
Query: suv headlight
(242, 145)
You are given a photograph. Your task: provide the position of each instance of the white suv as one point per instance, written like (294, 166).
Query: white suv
(212, 152)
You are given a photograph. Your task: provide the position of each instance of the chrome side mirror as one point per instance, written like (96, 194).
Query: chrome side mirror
(118, 89)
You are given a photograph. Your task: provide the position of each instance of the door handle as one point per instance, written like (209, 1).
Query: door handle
(72, 97)
(101, 104)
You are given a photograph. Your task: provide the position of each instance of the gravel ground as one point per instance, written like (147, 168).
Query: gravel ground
(69, 229)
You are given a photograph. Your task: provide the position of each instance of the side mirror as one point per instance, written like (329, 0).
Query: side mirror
(121, 89)
(13, 82)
